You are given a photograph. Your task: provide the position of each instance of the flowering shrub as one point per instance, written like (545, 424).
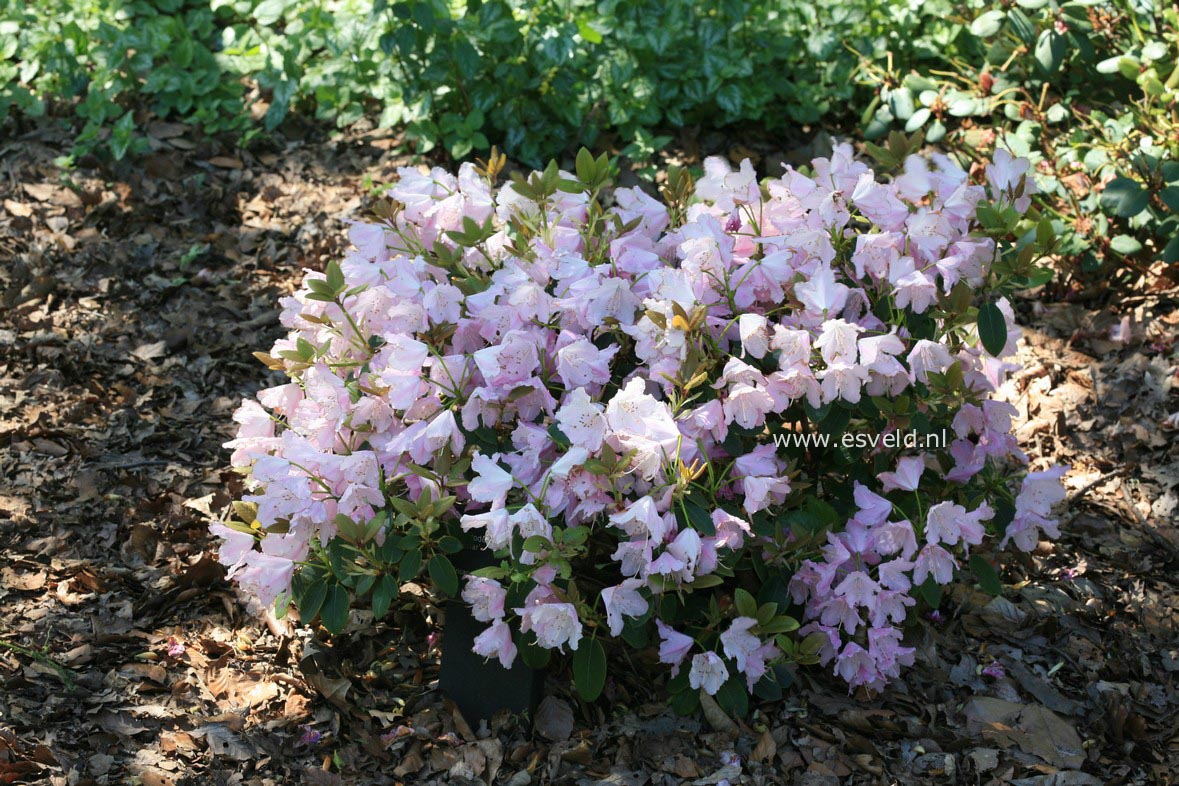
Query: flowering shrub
(590, 389)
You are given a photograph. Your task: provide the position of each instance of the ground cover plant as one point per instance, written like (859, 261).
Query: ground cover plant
(592, 386)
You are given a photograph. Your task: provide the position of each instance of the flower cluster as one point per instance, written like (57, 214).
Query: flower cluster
(584, 385)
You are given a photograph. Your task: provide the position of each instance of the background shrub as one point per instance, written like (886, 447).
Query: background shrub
(1086, 90)
(537, 78)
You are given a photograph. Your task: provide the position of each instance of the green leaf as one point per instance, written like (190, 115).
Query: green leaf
(335, 277)
(443, 574)
(986, 25)
(533, 655)
(122, 135)
(931, 592)
(536, 544)
(988, 579)
(767, 688)
(685, 703)
(918, 119)
(1125, 245)
(699, 517)
(1051, 48)
(1124, 197)
(733, 698)
(589, 669)
(992, 329)
(311, 599)
(587, 32)
(450, 544)
(411, 563)
(746, 605)
(1170, 197)
(585, 166)
(635, 634)
(383, 594)
(334, 614)
(1170, 252)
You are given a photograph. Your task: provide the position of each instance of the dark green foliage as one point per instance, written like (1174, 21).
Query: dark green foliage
(537, 78)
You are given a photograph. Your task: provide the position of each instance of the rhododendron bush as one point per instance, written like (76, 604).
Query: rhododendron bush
(584, 391)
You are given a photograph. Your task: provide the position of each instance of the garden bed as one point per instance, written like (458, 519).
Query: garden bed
(132, 305)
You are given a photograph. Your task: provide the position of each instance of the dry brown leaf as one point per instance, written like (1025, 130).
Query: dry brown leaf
(765, 749)
(23, 582)
(554, 719)
(18, 209)
(716, 717)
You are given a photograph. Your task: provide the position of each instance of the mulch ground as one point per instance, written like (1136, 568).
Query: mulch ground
(131, 302)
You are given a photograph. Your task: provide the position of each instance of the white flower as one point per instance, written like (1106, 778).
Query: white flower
(708, 672)
(582, 420)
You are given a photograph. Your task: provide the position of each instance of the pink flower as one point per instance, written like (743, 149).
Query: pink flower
(856, 666)
(1041, 490)
(583, 421)
(496, 642)
(842, 380)
(995, 670)
(730, 530)
(943, 523)
(1009, 178)
(673, 645)
(653, 350)
(821, 294)
(491, 484)
(894, 574)
(928, 357)
(873, 508)
(858, 589)
(555, 624)
(623, 599)
(640, 423)
(837, 341)
(913, 288)
(892, 537)
(641, 520)
(884, 645)
(509, 363)
(236, 547)
(580, 364)
(1038, 493)
(755, 335)
(486, 597)
(738, 643)
(747, 406)
(936, 561)
(686, 548)
(496, 526)
(906, 477)
(266, 576)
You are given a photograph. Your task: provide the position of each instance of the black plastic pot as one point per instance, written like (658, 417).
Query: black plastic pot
(481, 687)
